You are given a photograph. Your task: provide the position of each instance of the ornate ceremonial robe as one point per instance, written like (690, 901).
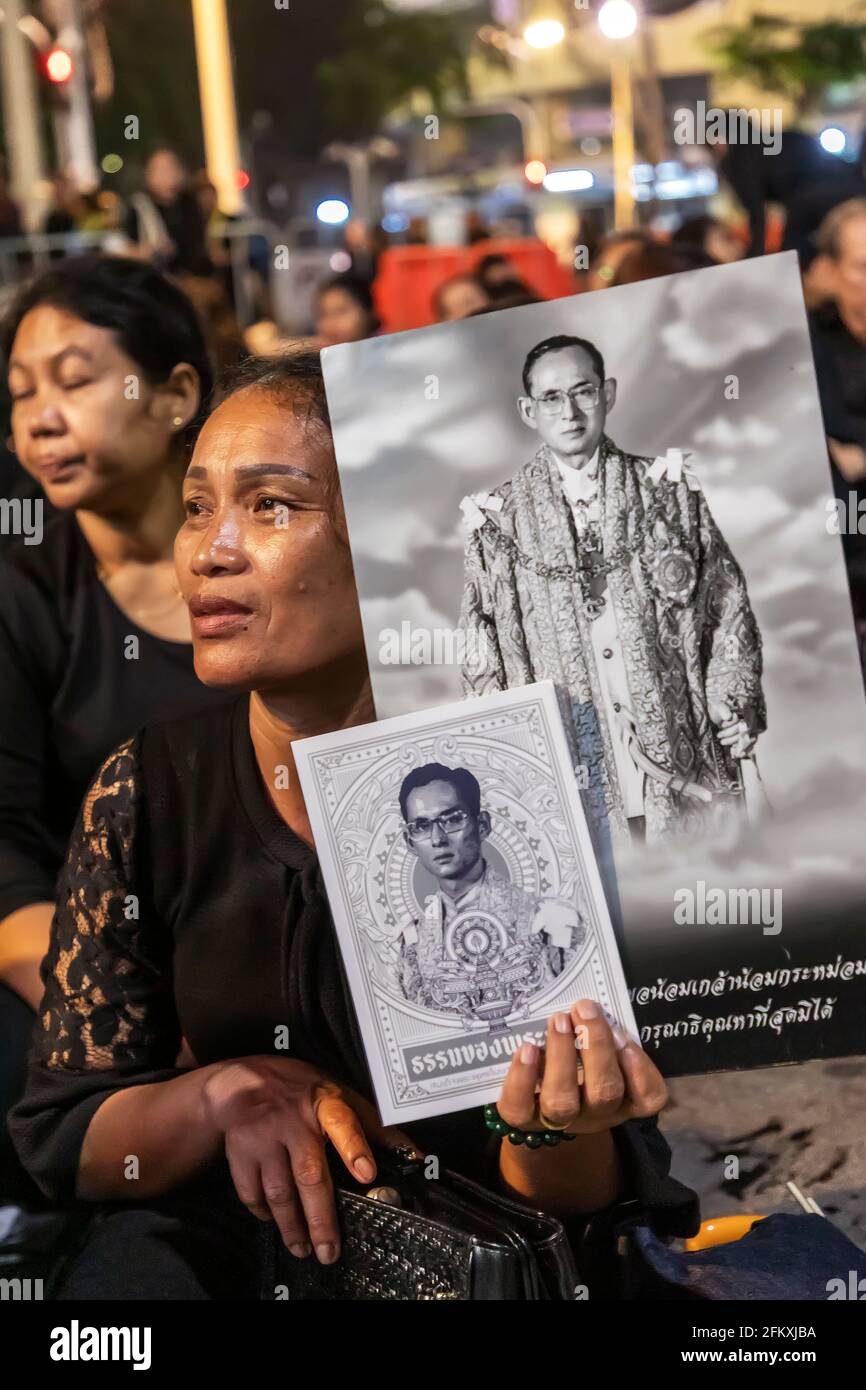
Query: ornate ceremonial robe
(423, 952)
(688, 632)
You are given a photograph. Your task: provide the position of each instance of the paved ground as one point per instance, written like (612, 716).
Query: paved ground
(806, 1122)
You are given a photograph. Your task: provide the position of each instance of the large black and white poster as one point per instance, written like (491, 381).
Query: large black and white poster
(627, 493)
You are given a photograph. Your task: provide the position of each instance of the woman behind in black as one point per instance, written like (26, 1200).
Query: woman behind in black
(108, 375)
(192, 907)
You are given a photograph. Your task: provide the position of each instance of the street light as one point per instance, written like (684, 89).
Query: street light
(333, 212)
(617, 20)
(832, 139)
(544, 33)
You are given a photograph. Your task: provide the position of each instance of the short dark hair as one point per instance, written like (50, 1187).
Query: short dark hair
(558, 344)
(460, 778)
(151, 318)
(294, 380)
(294, 377)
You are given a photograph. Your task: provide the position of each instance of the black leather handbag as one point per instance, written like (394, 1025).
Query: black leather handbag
(411, 1238)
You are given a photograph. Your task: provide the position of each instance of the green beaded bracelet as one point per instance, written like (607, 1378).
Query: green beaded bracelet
(532, 1138)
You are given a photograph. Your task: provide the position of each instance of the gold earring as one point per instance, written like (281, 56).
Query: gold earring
(177, 421)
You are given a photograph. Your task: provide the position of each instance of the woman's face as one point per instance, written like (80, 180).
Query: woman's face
(86, 424)
(268, 581)
(340, 318)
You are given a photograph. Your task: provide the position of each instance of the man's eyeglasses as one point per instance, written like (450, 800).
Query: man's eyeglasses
(450, 821)
(553, 402)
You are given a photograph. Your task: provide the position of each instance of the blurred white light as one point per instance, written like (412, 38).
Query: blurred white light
(340, 261)
(333, 211)
(694, 183)
(833, 140)
(568, 180)
(617, 19)
(669, 169)
(395, 222)
(544, 33)
(642, 173)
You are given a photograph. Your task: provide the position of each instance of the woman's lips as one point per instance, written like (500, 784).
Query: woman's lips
(56, 470)
(216, 617)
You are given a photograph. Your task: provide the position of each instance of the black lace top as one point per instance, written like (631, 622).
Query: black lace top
(189, 909)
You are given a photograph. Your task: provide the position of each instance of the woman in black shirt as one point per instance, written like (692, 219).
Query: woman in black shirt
(108, 375)
(192, 908)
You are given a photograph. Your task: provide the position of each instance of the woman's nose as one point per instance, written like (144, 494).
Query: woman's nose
(220, 550)
(45, 419)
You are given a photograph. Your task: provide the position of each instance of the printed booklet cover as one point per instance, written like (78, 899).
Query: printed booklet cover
(464, 890)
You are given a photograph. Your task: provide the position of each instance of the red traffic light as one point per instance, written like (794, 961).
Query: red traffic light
(59, 66)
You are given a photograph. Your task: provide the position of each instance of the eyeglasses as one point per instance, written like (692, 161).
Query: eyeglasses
(553, 402)
(452, 822)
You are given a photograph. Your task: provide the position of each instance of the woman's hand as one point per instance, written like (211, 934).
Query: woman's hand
(612, 1079)
(275, 1114)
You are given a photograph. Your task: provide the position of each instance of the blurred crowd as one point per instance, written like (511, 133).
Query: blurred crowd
(173, 222)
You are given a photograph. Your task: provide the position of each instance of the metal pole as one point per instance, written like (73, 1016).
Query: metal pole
(74, 125)
(21, 117)
(218, 110)
(623, 137)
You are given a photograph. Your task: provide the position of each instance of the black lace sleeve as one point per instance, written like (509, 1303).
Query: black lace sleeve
(107, 1017)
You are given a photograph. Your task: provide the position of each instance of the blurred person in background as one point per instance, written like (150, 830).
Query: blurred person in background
(253, 263)
(10, 214)
(505, 288)
(67, 209)
(838, 330)
(648, 261)
(476, 228)
(512, 294)
(494, 270)
(108, 374)
(215, 309)
(713, 238)
(344, 311)
(364, 246)
(164, 223)
(459, 297)
(610, 252)
(800, 175)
